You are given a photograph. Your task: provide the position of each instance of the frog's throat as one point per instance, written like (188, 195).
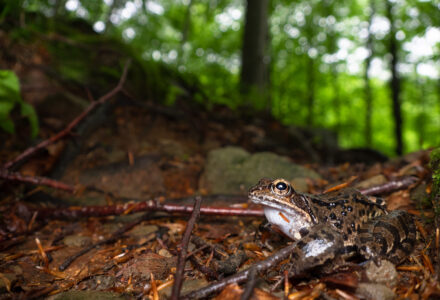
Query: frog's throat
(283, 207)
(290, 225)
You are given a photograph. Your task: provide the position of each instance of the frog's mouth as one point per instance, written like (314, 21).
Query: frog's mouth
(274, 202)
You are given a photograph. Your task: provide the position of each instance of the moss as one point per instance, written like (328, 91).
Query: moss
(435, 165)
(435, 191)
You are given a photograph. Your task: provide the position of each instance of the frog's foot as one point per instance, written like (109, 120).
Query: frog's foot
(319, 247)
(391, 236)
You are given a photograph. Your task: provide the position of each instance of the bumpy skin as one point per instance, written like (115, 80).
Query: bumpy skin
(342, 222)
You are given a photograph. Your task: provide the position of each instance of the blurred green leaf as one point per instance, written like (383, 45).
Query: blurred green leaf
(9, 98)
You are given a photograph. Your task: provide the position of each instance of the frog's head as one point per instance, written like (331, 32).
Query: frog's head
(283, 206)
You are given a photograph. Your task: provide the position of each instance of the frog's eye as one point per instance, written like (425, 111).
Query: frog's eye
(281, 187)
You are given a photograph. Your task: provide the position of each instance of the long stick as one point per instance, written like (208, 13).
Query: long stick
(178, 278)
(32, 150)
(261, 266)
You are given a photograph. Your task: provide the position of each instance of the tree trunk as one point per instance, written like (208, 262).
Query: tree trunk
(254, 66)
(310, 90)
(187, 22)
(395, 80)
(421, 115)
(116, 4)
(368, 92)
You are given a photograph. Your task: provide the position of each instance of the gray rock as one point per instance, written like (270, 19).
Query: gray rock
(375, 291)
(141, 231)
(77, 240)
(232, 170)
(372, 181)
(187, 287)
(384, 273)
(81, 295)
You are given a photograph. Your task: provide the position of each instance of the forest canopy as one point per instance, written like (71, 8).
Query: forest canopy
(363, 69)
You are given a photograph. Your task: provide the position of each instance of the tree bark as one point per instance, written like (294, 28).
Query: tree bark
(368, 92)
(108, 23)
(395, 80)
(254, 66)
(310, 90)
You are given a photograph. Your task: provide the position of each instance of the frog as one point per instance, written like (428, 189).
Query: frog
(337, 225)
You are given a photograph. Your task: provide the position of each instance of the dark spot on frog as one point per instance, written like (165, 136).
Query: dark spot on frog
(303, 232)
(344, 213)
(329, 236)
(345, 237)
(332, 216)
(349, 231)
(301, 244)
(353, 225)
(314, 236)
(349, 208)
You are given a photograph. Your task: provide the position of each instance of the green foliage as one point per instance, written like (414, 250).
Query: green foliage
(10, 98)
(198, 45)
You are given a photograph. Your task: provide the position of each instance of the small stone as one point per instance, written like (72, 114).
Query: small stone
(374, 291)
(77, 240)
(384, 273)
(187, 287)
(165, 253)
(143, 230)
(372, 181)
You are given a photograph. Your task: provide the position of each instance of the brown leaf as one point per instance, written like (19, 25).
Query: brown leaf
(233, 292)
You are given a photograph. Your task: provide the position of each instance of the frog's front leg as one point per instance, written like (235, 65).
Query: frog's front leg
(390, 236)
(320, 246)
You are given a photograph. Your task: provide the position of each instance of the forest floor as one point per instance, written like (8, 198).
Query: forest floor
(111, 222)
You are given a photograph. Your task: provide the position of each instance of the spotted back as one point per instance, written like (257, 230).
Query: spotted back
(391, 236)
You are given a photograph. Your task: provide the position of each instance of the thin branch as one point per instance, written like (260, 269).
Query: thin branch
(250, 285)
(178, 277)
(390, 186)
(75, 212)
(32, 150)
(15, 176)
(209, 273)
(242, 276)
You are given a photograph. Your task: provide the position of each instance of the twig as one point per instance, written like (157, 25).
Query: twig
(261, 266)
(390, 186)
(209, 273)
(115, 236)
(32, 150)
(250, 285)
(200, 242)
(178, 278)
(14, 176)
(75, 212)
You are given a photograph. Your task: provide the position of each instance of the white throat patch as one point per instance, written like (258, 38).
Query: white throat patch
(289, 224)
